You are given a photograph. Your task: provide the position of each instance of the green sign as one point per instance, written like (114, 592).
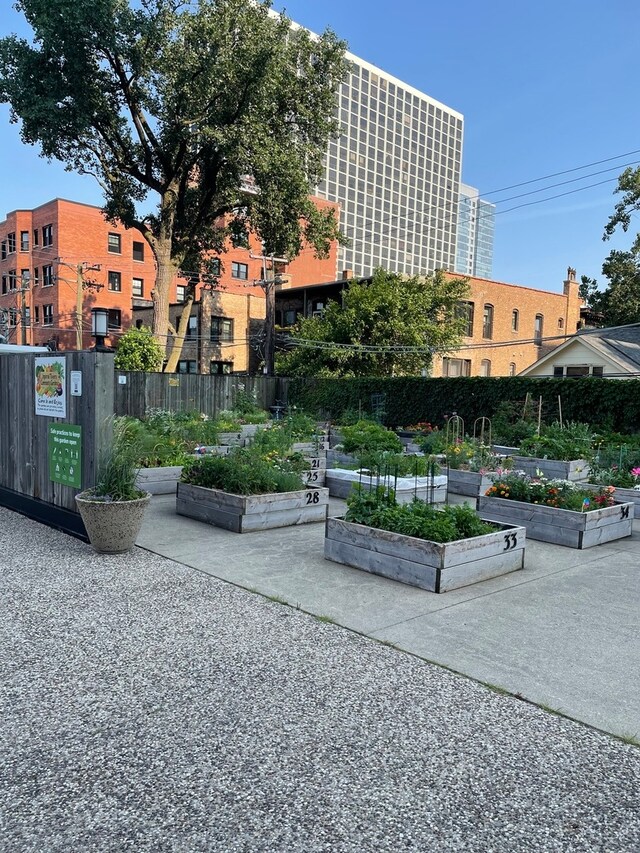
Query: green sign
(65, 454)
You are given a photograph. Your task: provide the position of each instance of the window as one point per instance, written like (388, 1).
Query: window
(12, 280)
(5, 284)
(515, 320)
(187, 366)
(456, 367)
(181, 293)
(512, 369)
(214, 266)
(13, 316)
(538, 329)
(240, 271)
(36, 276)
(3, 250)
(487, 322)
(47, 276)
(221, 329)
(115, 244)
(25, 278)
(485, 367)
(560, 322)
(36, 318)
(240, 238)
(115, 318)
(47, 235)
(597, 370)
(115, 281)
(36, 241)
(47, 315)
(11, 242)
(464, 311)
(24, 241)
(220, 368)
(137, 287)
(192, 329)
(138, 251)
(26, 316)
(575, 371)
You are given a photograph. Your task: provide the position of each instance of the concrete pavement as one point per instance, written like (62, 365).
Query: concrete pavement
(563, 632)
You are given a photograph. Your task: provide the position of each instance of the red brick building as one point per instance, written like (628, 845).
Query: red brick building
(42, 249)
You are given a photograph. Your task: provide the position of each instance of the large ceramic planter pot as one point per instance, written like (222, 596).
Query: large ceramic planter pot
(246, 513)
(561, 526)
(112, 526)
(434, 566)
(576, 470)
(159, 481)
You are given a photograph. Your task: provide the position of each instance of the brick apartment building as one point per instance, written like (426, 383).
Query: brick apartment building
(42, 248)
(509, 326)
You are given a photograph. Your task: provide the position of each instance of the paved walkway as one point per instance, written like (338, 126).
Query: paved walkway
(563, 632)
(148, 707)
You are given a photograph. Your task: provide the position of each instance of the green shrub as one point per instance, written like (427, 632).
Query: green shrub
(567, 442)
(369, 437)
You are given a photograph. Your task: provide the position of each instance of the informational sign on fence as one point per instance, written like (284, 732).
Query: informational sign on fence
(51, 386)
(65, 454)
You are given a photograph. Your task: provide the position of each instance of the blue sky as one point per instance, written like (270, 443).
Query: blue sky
(544, 87)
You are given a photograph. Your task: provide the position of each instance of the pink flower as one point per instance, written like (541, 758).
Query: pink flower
(635, 472)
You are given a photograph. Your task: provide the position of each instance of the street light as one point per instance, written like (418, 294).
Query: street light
(99, 326)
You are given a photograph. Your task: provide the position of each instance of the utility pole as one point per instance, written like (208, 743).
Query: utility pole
(81, 286)
(268, 285)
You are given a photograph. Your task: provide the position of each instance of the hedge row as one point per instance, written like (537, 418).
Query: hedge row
(608, 403)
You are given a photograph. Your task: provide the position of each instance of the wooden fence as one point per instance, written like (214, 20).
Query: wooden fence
(25, 482)
(136, 393)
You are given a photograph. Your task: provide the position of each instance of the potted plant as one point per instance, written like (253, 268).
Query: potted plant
(414, 543)
(558, 511)
(113, 509)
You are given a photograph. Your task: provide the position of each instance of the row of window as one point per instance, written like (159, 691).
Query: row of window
(11, 282)
(221, 329)
(114, 246)
(8, 245)
(466, 312)
(453, 367)
(114, 320)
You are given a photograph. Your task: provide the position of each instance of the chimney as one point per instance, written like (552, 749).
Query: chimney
(571, 286)
(347, 275)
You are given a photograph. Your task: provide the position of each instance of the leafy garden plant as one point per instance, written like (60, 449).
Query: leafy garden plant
(567, 442)
(243, 472)
(369, 437)
(118, 469)
(378, 508)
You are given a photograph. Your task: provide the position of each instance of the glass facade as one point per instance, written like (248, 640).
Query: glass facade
(395, 171)
(476, 227)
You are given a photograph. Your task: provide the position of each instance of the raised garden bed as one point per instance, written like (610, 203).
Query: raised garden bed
(246, 513)
(576, 471)
(561, 526)
(625, 495)
(316, 473)
(159, 481)
(469, 483)
(232, 439)
(429, 565)
(340, 482)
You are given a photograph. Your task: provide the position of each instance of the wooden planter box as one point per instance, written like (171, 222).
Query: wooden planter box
(468, 482)
(213, 450)
(561, 526)
(159, 481)
(577, 470)
(311, 447)
(504, 449)
(316, 474)
(245, 513)
(340, 482)
(249, 430)
(231, 439)
(624, 495)
(429, 565)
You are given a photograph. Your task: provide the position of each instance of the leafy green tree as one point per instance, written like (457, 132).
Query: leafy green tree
(218, 111)
(139, 350)
(390, 327)
(629, 186)
(619, 303)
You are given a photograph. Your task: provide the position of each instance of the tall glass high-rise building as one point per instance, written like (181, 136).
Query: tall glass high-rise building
(476, 226)
(396, 173)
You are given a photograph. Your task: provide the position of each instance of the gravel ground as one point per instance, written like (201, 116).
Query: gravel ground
(146, 707)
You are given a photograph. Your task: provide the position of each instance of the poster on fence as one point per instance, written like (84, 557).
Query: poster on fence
(51, 386)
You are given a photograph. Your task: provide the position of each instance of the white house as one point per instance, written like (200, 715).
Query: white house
(612, 352)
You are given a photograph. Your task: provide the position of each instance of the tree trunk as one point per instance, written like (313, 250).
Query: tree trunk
(161, 292)
(178, 340)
